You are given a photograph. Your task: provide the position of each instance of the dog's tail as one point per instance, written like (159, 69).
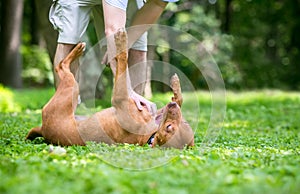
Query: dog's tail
(34, 133)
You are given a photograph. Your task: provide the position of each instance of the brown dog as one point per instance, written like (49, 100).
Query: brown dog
(122, 123)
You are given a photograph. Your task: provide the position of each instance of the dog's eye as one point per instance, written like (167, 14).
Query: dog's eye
(169, 128)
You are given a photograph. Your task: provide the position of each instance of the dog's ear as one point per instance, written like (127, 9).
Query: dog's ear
(187, 134)
(34, 133)
(175, 85)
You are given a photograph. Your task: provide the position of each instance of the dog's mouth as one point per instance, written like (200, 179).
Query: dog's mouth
(172, 105)
(171, 111)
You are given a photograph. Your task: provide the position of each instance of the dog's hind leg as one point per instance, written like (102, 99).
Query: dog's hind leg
(34, 133)
(67, 90)
(59, 124)
(64, 65)
(175, 85)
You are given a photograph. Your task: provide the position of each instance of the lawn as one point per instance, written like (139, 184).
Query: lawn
(257, 151)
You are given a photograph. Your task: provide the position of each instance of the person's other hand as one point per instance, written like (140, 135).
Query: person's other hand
(141, 102)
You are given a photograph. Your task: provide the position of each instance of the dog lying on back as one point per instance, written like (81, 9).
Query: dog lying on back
(121, 123)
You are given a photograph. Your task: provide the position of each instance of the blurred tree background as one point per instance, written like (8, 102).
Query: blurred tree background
(255, 43)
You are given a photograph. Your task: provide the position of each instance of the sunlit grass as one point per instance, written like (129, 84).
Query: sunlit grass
(257, 151)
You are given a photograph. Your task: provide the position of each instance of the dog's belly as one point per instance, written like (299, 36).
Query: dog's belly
(104, 127)
(93, 129)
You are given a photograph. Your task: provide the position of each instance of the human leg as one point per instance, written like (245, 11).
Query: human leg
(70, 18)
(137, 55)
(137, 52)
(137, 69)
(114, 19)
(148, 14)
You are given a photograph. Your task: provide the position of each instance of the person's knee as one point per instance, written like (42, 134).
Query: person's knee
(62, 50)
(67, 47)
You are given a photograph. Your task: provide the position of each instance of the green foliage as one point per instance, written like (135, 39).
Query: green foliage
(34, 98)
(23, 100)
(7, 100)
(259, 48)
(265, 46)
(206, 28)
(36, 66)
(257, 152)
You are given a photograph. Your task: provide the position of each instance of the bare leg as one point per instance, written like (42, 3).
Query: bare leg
(62, 50)
(137, 69)
(148, 14)
(114, 19)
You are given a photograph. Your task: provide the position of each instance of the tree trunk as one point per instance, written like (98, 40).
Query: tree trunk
(10, 37)
(34, 28)
(228, 10)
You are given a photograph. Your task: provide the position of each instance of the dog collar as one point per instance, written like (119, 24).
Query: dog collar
(151, 139)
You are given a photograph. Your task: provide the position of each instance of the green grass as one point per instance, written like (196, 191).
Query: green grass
(257, 151)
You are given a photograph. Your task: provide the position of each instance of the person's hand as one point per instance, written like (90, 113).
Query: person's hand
(141, 102)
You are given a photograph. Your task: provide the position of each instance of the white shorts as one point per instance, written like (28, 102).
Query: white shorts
(71, 19)
(119, 4)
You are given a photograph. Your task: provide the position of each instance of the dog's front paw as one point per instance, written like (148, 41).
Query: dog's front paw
(121, 40)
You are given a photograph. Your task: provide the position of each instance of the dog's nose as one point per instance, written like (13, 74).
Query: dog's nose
(172, 104)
